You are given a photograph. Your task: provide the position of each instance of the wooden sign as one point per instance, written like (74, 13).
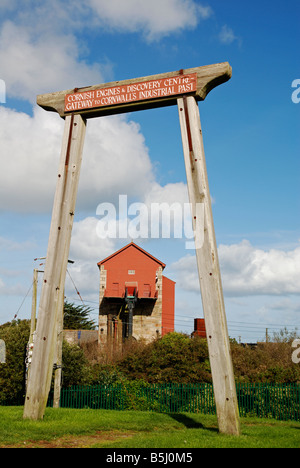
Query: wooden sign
(114, 95)
(147, 92)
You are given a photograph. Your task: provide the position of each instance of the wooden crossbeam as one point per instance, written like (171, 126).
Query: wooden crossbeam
(208, 77)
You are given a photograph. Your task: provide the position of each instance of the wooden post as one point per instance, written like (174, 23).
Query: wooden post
(58, 356)
(33, 304)
(55, 268)
(208, 268)
(32, 320)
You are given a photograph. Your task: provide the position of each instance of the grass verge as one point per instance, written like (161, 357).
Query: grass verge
(70, 428)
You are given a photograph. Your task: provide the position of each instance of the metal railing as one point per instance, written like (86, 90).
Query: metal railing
(278, 401)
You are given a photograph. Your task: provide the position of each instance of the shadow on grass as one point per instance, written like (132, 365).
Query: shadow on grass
(190, 423)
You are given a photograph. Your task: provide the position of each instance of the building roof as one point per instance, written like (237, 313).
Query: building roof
(131, 244)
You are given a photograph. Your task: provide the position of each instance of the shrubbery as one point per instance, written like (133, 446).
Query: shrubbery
(175, 358)
(268, 362)
(12, 373)
(76, 370)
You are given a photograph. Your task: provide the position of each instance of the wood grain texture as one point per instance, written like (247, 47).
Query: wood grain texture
(208, 77)
(208, 268)
(51, 300)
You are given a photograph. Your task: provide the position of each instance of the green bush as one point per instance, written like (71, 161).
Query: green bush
(266, 363)
(106, 374)
(12, 373)
(174, 358)
(76, 368)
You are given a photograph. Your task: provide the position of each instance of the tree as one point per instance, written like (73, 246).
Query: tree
(76, 368)
(12, 373)
(77, 317)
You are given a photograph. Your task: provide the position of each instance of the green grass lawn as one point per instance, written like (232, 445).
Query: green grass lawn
(130, 429)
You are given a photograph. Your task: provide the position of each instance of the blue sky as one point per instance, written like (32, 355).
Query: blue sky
(251, 138)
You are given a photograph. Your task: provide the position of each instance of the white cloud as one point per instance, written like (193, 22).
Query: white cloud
(284, 304)
(12, 246)
(154, 19)
(226, 35)
(33, 65)
(29, 149)
(86, 245)
(11, 290)
(8, 4)
(169, 211)
(115, 161)
(170, 193)
(184, 272)
(247, 271)
(39, 47)
(87, 249)
(83, 277)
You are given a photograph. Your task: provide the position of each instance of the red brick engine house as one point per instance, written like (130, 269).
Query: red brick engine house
(136, 300)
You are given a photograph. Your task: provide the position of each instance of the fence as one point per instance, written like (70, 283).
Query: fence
(280, 402)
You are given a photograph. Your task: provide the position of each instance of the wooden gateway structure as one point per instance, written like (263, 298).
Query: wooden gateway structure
(183, 88)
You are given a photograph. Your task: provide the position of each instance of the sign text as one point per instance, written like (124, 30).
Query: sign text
(115, 95)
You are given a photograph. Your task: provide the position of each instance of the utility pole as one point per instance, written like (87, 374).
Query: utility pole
(59, 344)
(32, 321)
(34, 299)
(33, 305)
(267, 336)
(58, 359)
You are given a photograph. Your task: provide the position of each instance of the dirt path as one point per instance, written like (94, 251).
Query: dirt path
(72, 441)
